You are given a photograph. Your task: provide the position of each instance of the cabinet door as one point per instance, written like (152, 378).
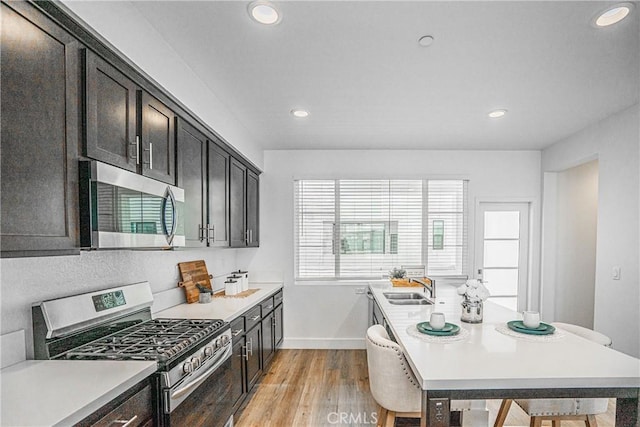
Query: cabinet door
(237, 204)
(192, 175)
(40, 87)
(158, 140)
(267, 340)
(278, 333)
(218, 195)
(254, 355)
(237, 366)
(253, 208)
(110, 133)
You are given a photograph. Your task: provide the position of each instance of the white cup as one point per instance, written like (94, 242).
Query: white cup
(531, 319)
(437, 321)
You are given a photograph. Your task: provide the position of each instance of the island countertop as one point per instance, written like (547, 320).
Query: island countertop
(488, 359)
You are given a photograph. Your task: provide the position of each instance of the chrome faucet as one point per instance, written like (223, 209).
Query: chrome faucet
(431, 285)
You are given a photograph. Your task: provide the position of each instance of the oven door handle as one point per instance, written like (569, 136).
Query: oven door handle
(202, 377)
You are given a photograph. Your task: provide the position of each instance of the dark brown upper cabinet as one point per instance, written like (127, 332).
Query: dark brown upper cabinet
(218, 194)
(192, 177)
(158, 142)
(40, 93)
(244, 209)
(203, 172)
(110, 118)
(253, 208)
(124, 125)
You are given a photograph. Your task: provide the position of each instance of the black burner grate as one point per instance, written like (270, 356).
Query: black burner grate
(158, 339)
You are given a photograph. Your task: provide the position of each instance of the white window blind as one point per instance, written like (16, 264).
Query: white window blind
(360, 229)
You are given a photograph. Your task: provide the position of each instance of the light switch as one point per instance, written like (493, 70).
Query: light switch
(615, 273)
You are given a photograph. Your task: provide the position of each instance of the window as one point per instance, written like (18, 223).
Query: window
(361, 229)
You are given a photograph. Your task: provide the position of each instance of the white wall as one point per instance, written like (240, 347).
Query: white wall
(575, 261)
(334, 316)
(24, 281)
(126, 29)
(615, 142)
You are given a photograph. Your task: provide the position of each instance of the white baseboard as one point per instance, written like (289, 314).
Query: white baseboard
(324, 343)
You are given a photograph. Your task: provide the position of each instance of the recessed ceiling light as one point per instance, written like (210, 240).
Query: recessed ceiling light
(425, 41)
(264, 12)
(495, 114)
(613, 15)
(301, 114)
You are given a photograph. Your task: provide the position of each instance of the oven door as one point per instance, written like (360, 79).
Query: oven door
(205, 400)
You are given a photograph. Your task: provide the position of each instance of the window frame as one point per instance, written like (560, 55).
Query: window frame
(358, 280)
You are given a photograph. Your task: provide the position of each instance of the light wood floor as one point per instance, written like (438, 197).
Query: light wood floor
(311, 388)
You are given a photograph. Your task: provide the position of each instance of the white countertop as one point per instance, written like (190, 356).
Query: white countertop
(63, 392)
(226, 309)
(489, 359)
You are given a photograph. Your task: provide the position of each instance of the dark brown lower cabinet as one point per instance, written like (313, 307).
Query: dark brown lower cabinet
(278, 328)
(134, 406)
(268, 348)
(254, 355)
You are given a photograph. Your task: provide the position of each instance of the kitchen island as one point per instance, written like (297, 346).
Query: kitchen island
(488, 364)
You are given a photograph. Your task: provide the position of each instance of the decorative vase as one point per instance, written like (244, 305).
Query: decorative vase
(471, 311)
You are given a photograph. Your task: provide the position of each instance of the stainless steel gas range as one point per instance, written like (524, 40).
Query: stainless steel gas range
(193, 381)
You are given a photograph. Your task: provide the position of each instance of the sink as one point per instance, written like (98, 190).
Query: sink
(406, 298)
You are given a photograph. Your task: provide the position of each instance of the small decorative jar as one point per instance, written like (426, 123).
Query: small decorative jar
(471, 311)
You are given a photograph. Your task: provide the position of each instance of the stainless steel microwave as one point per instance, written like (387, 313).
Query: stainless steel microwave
(120, 209)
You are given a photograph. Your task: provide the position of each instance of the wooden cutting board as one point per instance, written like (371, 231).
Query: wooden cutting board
(192, 273)
(191, 292)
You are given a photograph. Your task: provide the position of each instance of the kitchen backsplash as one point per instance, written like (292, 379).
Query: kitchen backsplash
(25, 281)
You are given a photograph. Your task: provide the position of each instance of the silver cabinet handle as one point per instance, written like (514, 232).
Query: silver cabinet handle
(250, 347)
(236, 332)
(200, 232)
(254, 318)
(269, 307)
(125, 423)
(245, 353)
(211, 232)
(246, 237)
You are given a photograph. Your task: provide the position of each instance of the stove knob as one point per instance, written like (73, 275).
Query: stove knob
(208, 351)
(218, 343)
(225, 340)
(195, 363)
(187, 368)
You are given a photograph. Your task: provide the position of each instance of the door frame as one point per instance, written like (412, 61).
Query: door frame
(525, 298)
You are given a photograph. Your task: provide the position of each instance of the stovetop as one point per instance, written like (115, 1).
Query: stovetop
(159, 339)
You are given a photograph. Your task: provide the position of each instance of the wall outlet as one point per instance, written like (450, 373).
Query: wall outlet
(360, 290)
(615, 273)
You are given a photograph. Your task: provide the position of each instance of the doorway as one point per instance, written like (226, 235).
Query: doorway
(502, 251)
(573, 237)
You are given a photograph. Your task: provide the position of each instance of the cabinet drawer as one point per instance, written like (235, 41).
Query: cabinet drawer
(137, 410)
(277, 298)
(267, 306)
(252, 317)
(237, 328)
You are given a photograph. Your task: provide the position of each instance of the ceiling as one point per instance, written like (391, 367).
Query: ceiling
(358, 69)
